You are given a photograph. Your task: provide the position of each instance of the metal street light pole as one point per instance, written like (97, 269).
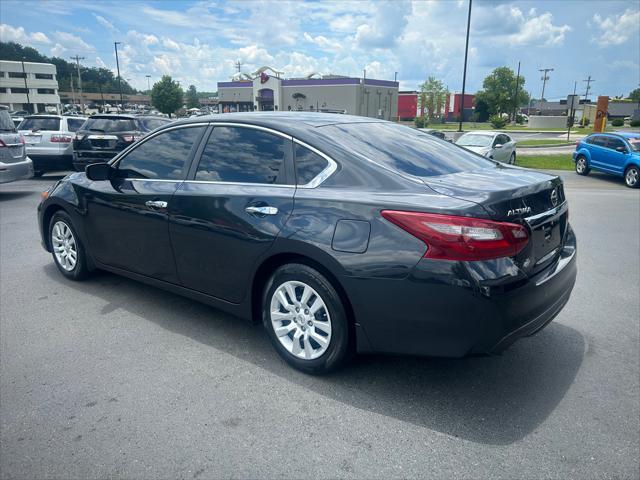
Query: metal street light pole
(464, 73)
(515, 98)
(148, 82)
(115, 44)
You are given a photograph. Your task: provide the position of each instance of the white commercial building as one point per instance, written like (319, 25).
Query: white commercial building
(33, 89)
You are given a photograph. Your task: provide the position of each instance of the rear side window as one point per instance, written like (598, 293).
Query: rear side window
(110, 124)
(404, 149)
(243, 155)
(74, 124)
(162, 157)
(42, 123)
(308, 164)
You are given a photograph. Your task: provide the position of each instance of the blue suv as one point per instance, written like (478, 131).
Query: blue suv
(616, 153)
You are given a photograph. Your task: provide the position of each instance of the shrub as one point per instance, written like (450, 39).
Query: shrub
(585, 122)
(519, 119)
(635, 123)
(497, 121)
(421, 122)
(617, 122)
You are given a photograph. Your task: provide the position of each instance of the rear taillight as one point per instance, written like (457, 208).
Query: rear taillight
(451, 237)
(22, 140)
(2, 144)
(61, 138)
(130, 138)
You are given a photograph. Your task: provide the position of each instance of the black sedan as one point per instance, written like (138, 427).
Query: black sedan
(341, 234)
(103, 136)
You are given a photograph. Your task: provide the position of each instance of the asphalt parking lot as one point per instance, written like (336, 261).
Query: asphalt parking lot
(112, 378)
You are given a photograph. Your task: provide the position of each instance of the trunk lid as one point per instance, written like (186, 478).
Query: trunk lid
(515, 195)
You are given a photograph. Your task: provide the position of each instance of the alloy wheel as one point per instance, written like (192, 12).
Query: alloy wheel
(632, 177)
(64, 245)
(300, 320)
(581, 165)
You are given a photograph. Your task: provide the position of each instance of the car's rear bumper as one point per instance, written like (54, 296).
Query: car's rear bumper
(51, 163)
(447, 309)
(10, 172)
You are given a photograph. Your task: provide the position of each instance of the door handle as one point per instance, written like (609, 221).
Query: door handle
(261, 210)
(156, 204)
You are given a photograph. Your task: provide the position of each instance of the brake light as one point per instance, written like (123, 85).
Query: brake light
(61, 138)
(22, 140)
(451, 237)
(130, 138)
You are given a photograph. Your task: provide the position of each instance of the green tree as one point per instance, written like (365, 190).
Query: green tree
(482, 109)
(166, 95)
(435, 96)
(192, 97)
(635, 95)
(498, 90)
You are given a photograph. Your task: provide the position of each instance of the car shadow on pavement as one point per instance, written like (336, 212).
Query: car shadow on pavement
(487, 399)
(6, 196)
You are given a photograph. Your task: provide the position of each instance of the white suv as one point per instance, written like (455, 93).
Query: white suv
(49, 140)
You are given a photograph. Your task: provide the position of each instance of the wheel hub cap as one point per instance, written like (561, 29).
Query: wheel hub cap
(300, 320)
(64, 246)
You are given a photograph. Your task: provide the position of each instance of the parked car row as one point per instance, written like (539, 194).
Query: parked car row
(65, 142)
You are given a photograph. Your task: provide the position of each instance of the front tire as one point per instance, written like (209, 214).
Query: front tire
(305, 319)
(67, 250)
(632, 177)
(582, 168)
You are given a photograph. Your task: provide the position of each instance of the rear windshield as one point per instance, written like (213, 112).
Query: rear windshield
(152, 123)
(405, 150)
(110, 124)
(74, 124)
(5, 121)
(40, 123)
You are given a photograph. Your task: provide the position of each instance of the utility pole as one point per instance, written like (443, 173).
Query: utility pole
(395, 77)
(515, 97)
(148, 83)
(464, 72)
(77, 59)
(238, 65)
(24, 75)
(544, 79)
(115, 44)
(589, 80)
(73, 93)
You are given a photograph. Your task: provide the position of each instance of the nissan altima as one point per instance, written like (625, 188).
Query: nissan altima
(340, 234)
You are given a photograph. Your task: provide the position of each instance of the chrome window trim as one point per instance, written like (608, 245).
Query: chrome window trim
(242, 184)
(331, 167)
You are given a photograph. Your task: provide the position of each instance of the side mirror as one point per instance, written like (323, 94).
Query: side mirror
(498, 145)
(98, 171)
(621, 149)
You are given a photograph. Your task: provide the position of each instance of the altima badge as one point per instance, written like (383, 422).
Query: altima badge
(518, 211)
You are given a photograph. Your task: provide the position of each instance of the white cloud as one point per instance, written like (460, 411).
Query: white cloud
(105, 23)
(386, 25)
(616, 29)
(170, 44)
(69, 42)
(540, 30)
(322, 42)
(19, 35)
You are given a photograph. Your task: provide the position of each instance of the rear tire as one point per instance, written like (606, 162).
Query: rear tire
(632, 176)
(582, 167)
(310, 336)
(66, 248)
(512, 159)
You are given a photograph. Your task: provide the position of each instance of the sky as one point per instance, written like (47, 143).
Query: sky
(199, 42)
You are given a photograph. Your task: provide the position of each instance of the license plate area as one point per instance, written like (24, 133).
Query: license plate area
(546, 239)
(32, 139)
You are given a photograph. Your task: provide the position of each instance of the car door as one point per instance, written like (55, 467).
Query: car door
(127, 216)
(598, 150)
(230, 210)
(499, 153)
(616, 155)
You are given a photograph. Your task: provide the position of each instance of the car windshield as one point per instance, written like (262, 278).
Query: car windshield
(110, 124)
(634, 143)
(74, 124)
(6, 124)
(404, 149)
(40, 123)
(475, 140)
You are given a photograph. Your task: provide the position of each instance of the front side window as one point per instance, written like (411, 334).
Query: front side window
(243, 155)
(162, 157)
(308, 164)
(634, 143)
(615, 143)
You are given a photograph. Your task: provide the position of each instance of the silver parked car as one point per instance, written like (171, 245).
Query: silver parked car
(496, 145)
(49, 140)
(14, 163)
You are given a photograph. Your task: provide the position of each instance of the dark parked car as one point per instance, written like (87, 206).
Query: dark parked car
(102, 137)
(339, 233)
